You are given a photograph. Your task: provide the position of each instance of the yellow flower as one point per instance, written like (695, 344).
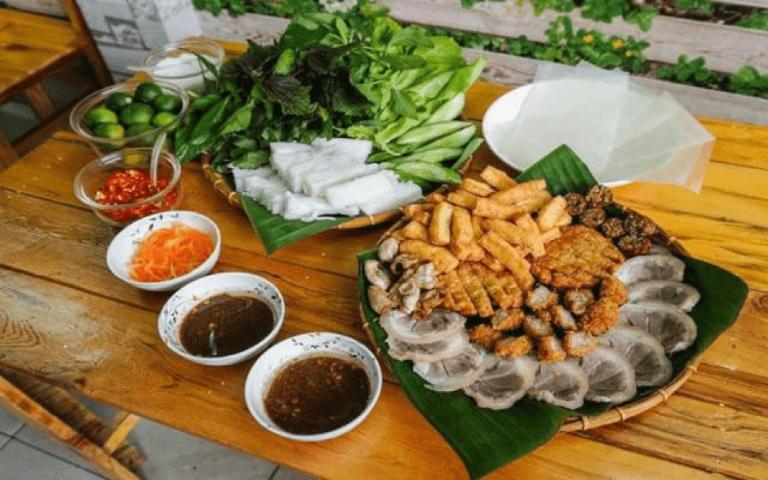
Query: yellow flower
(588, 38)
(618, 43)
(629, 54)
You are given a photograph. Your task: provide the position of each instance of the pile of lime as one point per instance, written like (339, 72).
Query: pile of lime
(122, 115)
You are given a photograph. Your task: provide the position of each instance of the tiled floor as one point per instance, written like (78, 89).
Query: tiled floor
(26, 453)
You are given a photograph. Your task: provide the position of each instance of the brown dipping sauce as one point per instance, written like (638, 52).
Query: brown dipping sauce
(317, 394)
(226, 324)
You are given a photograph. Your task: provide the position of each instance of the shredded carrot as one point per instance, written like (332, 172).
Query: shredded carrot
(169, 253)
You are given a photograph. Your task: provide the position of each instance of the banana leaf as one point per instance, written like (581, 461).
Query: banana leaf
(486, 439)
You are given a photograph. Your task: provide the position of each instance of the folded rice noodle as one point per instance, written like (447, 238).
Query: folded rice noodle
(401, 194)
(350, 148)
(242, 174)
(360, 190)
(315, 183)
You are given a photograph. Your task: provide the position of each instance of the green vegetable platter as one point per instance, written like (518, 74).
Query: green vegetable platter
(487, 439)
(357, 75)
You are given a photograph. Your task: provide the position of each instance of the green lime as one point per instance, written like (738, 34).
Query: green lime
(136, 113)
(167, 103)
(147, 92)
(118, 101)
(113, 131)
(100, 115)
(138, 128)
(163, 118)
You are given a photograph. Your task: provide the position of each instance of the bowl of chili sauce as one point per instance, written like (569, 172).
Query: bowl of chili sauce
(118, 188)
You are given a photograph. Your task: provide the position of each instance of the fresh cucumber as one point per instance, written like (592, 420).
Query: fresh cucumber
(449, 110)
(431, 172)
(457, 139)
(436, 155)
(429, 132)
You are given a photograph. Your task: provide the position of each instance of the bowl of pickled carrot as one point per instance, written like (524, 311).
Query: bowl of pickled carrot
(165, 251)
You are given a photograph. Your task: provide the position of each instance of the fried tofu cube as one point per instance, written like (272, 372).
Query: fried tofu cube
(509, 257)
(534, 202)
(460, 198)
(497, 178)
(461, 227)
(471, 252)
(506, 230)
(531, 235)
(550, 213)
(423, 217)
(414, 230)
(514, 346)
(492, 263)
(492, 209)
(443, 260)
(579, 343)
(434, 197)
(477, 227)
(536, 327)
(550, 235)
(550, 349)
(519, 192)
(440, 225)
(476, 187)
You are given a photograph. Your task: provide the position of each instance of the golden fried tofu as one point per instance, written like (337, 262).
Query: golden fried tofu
(423, 217)
(461, 227)
(484, 336)
(578, 343)
(492, 263)
(550, 349)
(488, 208)
(507, 319)
(531, 235)
(540, 298)
(549, 235)
(506, 230)
(564, 220)
(613, 288)
(476, 187)
(601, 317)
(440, 225)
(550, 213)
(536, 327)
(460, 198)
(578, 300)
(514, 346)
(470, 252)
(474, 287)
(506, 254)
(477, 227)
(534, 202)
(562, 318)
(497, 178)
(434, 197)
(413, 230)
(442, 259)
(519, 192)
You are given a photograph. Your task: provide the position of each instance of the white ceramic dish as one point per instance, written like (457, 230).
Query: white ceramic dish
(236, 283)
(269, 365)
(497, 123)
(123, 247)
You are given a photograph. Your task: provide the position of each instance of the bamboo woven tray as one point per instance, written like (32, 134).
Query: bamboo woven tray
(221, 185)
(615, 414)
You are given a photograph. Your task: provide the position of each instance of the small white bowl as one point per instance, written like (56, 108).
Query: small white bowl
(123, 247)
(181, 302)
(272, 362)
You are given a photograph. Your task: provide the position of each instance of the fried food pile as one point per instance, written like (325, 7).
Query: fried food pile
(506, 255)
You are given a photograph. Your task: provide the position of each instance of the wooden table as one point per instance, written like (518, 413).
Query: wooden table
(65, 319)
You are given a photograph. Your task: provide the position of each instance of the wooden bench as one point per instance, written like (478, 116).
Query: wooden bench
(31, 47)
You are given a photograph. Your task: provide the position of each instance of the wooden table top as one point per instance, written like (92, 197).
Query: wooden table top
(64, 318)
(31, 44)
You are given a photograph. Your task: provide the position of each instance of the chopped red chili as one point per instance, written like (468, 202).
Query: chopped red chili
(132, 185)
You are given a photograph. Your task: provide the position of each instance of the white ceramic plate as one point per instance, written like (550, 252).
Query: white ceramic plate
(497, 123)
(181, 302)
(123, 247)
(269, 365)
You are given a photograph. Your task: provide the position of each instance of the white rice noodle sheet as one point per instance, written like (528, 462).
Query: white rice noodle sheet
(349, 148)
(315, 183)
(301, 207)
(241, 174)
(401, 194)
(361, 190)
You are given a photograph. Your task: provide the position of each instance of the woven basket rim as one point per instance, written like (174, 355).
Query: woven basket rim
(362, 221)
(615, 414)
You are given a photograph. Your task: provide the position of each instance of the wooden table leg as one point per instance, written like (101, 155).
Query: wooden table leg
(28, 404)
(8, 155)
(40, 101)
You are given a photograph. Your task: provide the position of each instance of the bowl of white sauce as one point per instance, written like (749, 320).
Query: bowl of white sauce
(180, 63)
